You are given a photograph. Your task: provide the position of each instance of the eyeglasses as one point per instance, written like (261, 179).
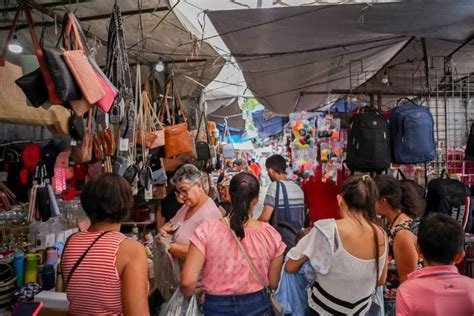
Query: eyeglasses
(184, 193)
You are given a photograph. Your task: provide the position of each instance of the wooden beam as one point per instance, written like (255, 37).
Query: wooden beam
(89, 18)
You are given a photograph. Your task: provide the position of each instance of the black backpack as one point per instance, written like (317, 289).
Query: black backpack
(368, 145)
(451, 197)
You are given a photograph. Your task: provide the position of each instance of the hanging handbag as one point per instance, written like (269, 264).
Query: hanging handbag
(228, 150)
(120, 165)
(85, 75)
(203, 151)
(177, 140)
(277, 308)
(151, 120)
(83, 152)
(469, 153)
(76, 127)
(34, 87)
(131, 173)
(97, 150)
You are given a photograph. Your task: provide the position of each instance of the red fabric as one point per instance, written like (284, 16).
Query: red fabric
(321, 198)
(31, 156)
(256, 170)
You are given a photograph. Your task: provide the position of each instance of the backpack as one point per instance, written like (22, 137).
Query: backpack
(412, 134)
(368, 145)
(451, 197)
(287, 220)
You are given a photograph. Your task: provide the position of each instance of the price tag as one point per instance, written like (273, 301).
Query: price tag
(123, 144)
(149, 193)
(135, 188)
(73, 142)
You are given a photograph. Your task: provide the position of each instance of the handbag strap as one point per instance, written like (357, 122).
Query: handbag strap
(247, 258)
(274, 216)
(79, 261)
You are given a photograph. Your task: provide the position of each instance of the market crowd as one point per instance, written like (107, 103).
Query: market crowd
(363, 248)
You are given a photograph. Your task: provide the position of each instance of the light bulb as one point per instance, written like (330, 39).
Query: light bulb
(160, 67)
(15, 46)
(385, 77)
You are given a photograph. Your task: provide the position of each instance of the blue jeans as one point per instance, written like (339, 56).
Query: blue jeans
(257, 303)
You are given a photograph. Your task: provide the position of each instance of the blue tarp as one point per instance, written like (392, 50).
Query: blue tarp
(266, 128)
(340, 107)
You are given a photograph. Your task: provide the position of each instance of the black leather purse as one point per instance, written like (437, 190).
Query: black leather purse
(34, 87)
(203, 151)
(62, 77)
(131, 173)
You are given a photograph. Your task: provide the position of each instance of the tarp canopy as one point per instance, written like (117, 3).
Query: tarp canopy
(286, 51)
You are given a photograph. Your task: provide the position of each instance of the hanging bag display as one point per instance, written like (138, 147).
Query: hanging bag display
(412, 134)
(368, 145)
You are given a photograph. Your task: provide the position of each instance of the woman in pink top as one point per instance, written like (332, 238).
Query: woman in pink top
(197, 209)
(232, 288)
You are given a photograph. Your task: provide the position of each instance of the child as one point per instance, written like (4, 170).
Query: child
(438, 288)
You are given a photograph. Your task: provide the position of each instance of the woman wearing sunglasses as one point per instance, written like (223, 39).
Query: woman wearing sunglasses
(197, 208)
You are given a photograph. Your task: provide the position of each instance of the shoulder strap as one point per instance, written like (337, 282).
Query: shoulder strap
(273, 217)
(247, 258)
(76, 265)
(285, 200)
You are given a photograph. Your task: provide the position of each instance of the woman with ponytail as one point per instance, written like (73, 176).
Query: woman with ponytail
(400, 204)
(216, 260)
(348, 255)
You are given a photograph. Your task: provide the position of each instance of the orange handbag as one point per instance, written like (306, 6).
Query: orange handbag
(177, 140)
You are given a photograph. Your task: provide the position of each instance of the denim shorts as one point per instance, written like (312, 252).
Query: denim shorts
(257, 303)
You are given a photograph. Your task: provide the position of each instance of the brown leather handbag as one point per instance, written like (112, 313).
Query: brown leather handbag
(97, 150)
(177, 140)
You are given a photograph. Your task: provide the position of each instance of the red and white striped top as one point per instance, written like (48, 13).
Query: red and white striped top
(95, 286)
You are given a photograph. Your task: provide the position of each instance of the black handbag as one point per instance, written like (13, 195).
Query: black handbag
(34, 87)
(203, 151)
(76, 127)
(63, 79)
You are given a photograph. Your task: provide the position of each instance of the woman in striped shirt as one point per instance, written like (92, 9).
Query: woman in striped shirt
(105, 273)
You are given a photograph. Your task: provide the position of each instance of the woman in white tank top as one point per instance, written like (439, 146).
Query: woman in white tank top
(348, 255)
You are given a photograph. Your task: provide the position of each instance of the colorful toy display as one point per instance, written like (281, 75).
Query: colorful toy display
(303, 134)
(303, 143)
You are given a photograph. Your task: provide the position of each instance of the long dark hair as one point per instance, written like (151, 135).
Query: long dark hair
(244, 188)
(399, 195)
(360, 194)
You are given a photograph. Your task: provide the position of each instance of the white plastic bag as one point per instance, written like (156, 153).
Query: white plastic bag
(177, 306)
(193, 308)
(166, 271)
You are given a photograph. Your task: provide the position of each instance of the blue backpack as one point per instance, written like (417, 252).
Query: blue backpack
(412, 134)
(287, 219)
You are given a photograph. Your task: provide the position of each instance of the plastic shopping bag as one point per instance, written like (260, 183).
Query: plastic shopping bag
(291, 293)
(193, 308)
(177, 305)
(167, 271)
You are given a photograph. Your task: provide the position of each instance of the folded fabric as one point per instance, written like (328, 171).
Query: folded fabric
(323, 235)
(291, 293)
